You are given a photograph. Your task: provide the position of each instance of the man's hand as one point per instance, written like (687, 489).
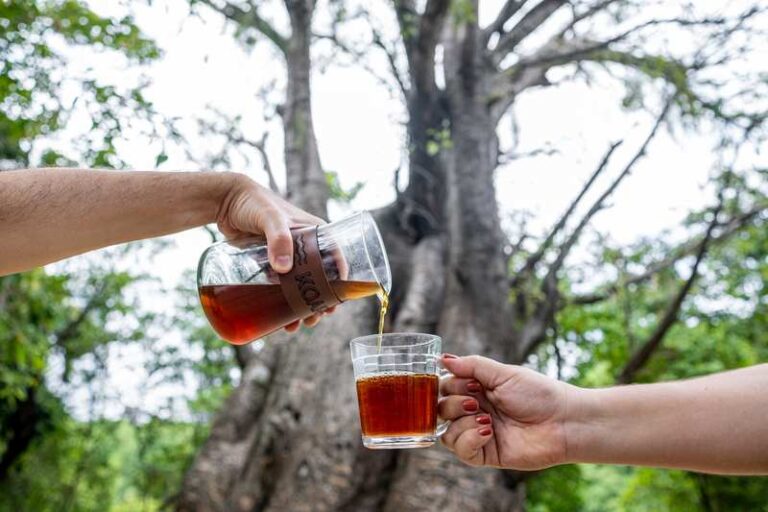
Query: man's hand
(250, 208)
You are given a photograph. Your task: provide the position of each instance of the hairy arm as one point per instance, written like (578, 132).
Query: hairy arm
(50, 214)
(715, 424)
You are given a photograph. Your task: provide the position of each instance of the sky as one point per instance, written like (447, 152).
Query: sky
(359, 126)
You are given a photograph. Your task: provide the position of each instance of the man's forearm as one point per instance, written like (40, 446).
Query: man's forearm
(50, 214)
(711, 424)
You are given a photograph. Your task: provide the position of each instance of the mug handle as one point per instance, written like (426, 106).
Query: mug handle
(442, 426)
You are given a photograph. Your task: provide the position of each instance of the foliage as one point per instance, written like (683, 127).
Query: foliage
(32, 85)
(103, 465)
(337, 191)
(721, 327)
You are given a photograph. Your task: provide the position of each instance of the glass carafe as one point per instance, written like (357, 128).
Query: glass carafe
(245, 299)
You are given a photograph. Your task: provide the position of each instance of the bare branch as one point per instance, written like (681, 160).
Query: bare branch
(230, 131)
(531, 71)
(508, 10)
(535, 328)
(250, 18)
(423, 58)
(359, 56)
(600, 6)
(644, 353)
(727, 229)
(511, 156)
(534, 258)
(261, 147)
(528, 24)
(598, 205)
(392, 61)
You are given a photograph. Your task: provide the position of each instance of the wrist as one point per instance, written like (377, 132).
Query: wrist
(582, 423)
(229, 186)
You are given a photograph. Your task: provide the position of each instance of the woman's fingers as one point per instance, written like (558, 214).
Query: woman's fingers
(467, 436)
(455, 406)
(457, 386)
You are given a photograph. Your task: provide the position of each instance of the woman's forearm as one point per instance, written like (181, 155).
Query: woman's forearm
(716, 424)
(50, 214)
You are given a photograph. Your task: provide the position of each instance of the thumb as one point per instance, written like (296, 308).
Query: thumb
(279, 242)
(487, 372)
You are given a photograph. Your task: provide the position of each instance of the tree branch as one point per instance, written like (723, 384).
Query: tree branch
(600, 6)
(528, 24)
(644, 353)
(508, 10)
(423, 58)
(392, 61)
(359, 56)
(531, 71)
(598, 205)
(250, 18)
(261, 147)
(535, 327)
(534, 258)
(728, 229)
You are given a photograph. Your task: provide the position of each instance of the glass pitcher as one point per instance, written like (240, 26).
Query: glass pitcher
(245, 299)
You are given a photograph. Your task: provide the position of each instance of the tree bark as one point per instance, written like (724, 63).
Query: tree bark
(307, 186)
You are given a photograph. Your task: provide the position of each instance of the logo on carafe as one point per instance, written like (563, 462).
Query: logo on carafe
(306, 279)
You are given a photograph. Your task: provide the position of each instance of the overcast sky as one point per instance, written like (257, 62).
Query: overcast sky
(361, 136)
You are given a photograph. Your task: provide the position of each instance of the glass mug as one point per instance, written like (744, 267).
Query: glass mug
(397, 389)
(244, 299)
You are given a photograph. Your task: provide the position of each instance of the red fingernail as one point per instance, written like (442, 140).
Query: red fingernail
(485, 431)
(469, 405)
(483, 420)
(450, 356)
(474, 387)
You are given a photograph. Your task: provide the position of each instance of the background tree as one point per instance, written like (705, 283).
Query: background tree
(283, 439)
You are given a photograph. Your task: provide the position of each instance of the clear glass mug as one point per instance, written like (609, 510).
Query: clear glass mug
(244, 299)
(398, 389)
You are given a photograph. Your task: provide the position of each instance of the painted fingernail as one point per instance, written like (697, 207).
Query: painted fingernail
(474, 387)
(469, 405)
(485, 431)
(483, 420)
(450, 356)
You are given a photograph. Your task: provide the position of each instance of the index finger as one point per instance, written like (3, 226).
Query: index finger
(488, 372)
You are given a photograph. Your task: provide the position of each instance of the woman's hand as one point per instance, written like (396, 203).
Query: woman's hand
(503, 415)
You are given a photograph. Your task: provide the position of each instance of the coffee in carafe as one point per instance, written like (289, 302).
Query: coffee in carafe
(244, 299)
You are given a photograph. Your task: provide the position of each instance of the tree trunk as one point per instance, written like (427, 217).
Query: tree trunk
(307, 186)
(288, 438)
(473, 318)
